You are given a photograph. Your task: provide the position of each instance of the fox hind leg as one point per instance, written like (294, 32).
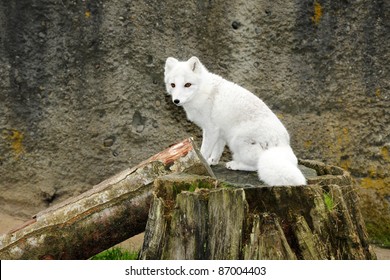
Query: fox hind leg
(245, 154)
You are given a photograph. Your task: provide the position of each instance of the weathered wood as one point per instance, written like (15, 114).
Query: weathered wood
(107, 214)
(193, 217)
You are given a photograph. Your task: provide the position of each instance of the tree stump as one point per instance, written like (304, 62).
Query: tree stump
(197, 217)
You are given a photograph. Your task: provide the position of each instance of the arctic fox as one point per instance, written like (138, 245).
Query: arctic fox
(231, 115)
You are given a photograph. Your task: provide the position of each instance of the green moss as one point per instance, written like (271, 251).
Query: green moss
(329, 203)
(192, 188)
(116, 254)
(226, 185)
(378, 234)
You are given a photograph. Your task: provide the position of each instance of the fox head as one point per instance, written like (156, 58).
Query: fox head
(182, 79)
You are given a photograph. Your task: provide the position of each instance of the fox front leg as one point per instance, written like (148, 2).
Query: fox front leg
(217, 152)
(209, 141)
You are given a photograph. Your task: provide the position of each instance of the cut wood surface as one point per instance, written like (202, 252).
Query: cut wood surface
(195, 217)
(109, 213)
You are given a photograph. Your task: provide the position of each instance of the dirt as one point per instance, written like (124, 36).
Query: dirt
(382, 253)
(8, 222)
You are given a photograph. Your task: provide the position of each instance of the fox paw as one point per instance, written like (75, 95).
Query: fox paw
(212, 161)
(232, 165)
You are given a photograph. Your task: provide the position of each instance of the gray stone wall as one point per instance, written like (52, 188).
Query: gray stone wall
(82, 94)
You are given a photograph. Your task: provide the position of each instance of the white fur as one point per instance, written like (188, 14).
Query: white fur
(231, 115)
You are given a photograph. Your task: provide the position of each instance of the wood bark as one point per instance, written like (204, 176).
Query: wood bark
(109, 213)
(195, 217)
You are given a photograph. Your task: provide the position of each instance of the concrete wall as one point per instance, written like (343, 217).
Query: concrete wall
(82, 94)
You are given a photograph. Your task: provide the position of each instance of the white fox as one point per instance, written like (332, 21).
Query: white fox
(229, 114)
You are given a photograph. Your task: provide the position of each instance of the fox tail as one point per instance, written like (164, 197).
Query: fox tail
(278, 166)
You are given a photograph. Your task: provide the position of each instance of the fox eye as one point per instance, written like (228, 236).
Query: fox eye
(187, 85)
(173, 85)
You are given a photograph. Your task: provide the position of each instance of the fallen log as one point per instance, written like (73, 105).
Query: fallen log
(109, 213)
(196, 217)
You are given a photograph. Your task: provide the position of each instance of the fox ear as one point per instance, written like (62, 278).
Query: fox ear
(195, 64)
(170, 63)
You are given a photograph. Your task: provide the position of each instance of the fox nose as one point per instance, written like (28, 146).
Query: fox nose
(176, 101)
